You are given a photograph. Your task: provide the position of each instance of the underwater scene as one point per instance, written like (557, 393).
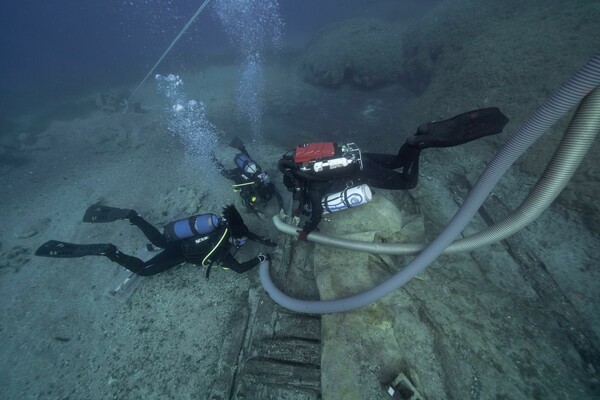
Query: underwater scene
(300, 200)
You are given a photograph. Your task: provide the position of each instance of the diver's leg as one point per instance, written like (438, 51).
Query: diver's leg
(97, 213)
(163, 261)
(227, 173)
(316, 192)
(237, 143)
(167, 259)
(231, 174)
(463, 128)
(56, 249)
(131, 263)
(379, 169)
(460, 129)
(153, 234)
(389, 161)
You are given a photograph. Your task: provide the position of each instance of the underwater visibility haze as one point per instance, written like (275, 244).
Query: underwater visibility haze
(336, 199)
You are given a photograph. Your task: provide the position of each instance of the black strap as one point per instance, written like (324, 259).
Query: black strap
(192, 224)
(343, 197)
(327, 204)
(207, 275)
(217, 258)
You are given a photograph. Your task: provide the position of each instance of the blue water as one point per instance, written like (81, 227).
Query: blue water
(55, 50)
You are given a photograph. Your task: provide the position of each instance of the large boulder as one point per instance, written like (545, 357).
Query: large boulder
(364, 53)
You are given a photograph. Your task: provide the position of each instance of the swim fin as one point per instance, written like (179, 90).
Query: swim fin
(237, 143)
(56, 249)
(99, 214)
(460, 129)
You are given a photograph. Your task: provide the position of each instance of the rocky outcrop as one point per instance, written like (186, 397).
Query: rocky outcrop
(365, 53)
(473, 325)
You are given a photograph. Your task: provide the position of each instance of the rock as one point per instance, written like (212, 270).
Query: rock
(379, 215)
(350, 371)
(365, 53)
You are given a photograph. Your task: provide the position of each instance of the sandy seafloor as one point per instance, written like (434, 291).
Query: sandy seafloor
(105, 347)
(62, 337)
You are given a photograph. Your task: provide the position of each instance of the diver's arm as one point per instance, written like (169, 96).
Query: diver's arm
(316, 193)
(261, 239)
(231, 263)
(230, 174)
(285, 167)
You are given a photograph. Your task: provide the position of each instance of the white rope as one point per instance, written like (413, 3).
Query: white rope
(190, 22)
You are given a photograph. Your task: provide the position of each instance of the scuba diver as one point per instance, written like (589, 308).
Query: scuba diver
(313, 171)
(253, 184)
(203, 239)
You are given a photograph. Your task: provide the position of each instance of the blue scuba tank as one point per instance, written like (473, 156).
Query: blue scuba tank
(196, 225)
(246, 164)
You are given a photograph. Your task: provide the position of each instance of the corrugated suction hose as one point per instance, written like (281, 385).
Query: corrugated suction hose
(578, 138)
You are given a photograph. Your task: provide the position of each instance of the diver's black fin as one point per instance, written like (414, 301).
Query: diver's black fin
(56, 249)
(460, 129)
(97, 214)
(237, 143)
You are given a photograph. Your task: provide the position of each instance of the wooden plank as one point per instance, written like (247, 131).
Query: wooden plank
(534, 271)
(300, 326)
(229, 360)
(282, 374)
(290, 350)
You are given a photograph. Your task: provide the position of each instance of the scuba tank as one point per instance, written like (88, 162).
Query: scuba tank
(246, 164)
(197, 225)
(347, 198)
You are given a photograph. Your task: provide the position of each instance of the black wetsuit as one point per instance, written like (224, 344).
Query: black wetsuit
(384, 171)
(193, 250)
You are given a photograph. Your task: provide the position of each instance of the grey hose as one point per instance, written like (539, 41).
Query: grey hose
(576, 141)
(571, 93)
